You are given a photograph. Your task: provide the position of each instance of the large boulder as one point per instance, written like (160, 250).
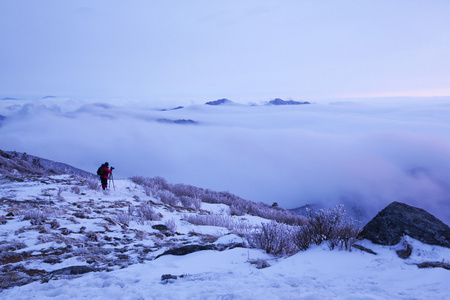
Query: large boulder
(399, 219)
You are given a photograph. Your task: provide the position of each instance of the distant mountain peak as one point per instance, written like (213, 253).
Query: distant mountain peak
(278, 101)
(175, 108)
(219, 102)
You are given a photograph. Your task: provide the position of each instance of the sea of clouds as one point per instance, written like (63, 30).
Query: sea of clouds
(364, 153)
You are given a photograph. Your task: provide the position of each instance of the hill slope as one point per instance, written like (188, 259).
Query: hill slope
(63, 238)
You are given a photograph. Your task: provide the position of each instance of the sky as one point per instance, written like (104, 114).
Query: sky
(131, 58)
(243, 50)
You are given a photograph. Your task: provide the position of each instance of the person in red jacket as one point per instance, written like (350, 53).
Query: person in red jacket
(105, 175)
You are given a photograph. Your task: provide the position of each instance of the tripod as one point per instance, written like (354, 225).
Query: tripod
(111, 181)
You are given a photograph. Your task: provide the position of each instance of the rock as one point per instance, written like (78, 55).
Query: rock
(160, 227)
(187, 249)
(399, 219)
(52, 260)
(11, 279)
(359, 247)
(434, 264)
(169, 278)
(69, 271)
(405, 253)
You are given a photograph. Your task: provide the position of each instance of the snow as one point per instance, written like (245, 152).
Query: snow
(317, 273)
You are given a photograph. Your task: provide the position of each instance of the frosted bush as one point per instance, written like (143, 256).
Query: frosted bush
(303, 237)
(190, 202)
(76, 190)
(344, 236)
(237, 226)
(155, 183)
(131, 209)
(159, 182)
(140, 180)
(210, 197)
(123, 218)
(167, 197)
(148, 191)
(276, 213)
(145, 213)
(330, 226)
(92, 184)
(186, 201)
(238, 210)
(170, 224)
(172, 194)
(35, 216)
(186, 190)
(275, 238)
(209, 220)
(196, 203)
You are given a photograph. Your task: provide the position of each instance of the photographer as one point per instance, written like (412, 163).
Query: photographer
(104, 172)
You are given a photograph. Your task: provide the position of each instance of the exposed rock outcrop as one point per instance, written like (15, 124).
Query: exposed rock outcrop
(399, 219)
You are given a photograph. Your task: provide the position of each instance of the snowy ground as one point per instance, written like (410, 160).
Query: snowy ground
(130, 269)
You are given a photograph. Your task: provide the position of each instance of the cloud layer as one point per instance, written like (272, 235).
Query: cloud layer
(364, 153)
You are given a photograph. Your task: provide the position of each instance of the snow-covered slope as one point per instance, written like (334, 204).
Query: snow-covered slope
(53, 222)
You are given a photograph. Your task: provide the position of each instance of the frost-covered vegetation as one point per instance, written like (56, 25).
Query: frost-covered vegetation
(56, 227)
(58, 218)
(190, 196)
(286, 234)
(13, 163)
(327, 225)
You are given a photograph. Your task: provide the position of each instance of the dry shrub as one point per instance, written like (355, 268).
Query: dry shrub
(303, 237)
(275, 238)
(146, 213)
(92, 184)
(170, 224)
(35, 216)
(260, 263)
(235, 225)
(167, 197)
(76, 190)
(330, 226)
(123, 218)
(190, 202)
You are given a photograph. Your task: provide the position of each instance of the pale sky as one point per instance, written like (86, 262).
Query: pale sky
(241, 50)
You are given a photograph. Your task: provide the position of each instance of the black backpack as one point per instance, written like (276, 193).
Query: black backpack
(100, 170)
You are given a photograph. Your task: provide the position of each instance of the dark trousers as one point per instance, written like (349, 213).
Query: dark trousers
(104, 182)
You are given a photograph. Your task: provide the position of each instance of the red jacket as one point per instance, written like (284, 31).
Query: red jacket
(106, 172)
